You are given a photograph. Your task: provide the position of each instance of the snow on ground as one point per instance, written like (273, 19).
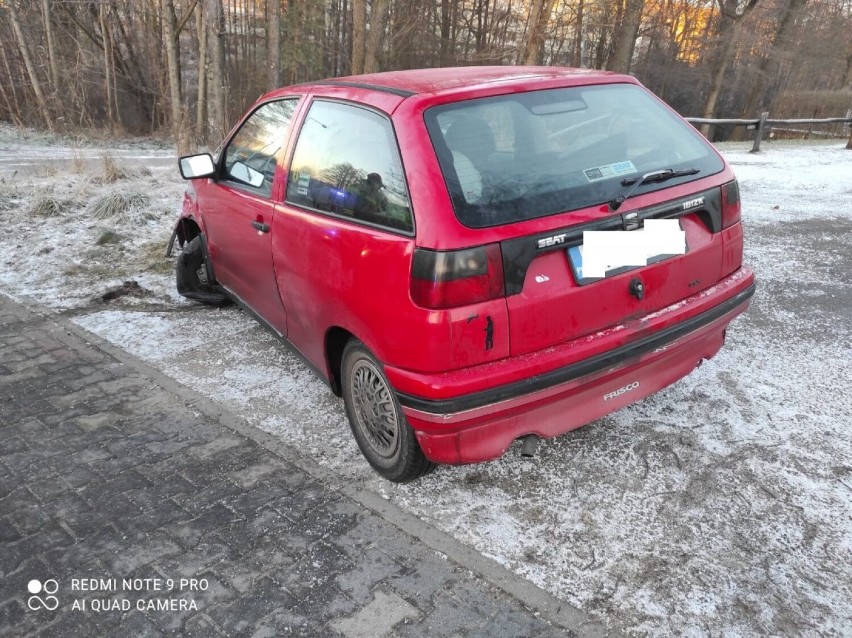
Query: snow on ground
(720, 506)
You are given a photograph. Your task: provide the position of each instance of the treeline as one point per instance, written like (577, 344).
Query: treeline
(190, 67)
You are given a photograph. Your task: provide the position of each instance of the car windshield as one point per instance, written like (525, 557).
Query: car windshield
(529, 155)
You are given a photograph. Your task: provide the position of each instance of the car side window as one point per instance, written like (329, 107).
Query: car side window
(253, 153)
(347, 162)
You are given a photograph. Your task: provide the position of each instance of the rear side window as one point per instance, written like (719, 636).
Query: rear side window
(529, 155)
(253, 153)
(346, 162)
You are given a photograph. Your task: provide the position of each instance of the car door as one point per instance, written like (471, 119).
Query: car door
(343, 250)
(239, 211)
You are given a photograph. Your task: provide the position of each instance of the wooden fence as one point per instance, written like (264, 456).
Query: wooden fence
(763, 122)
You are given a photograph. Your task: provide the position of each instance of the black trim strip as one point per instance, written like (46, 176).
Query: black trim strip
(364, 85)
(520, 252)
(576, 370)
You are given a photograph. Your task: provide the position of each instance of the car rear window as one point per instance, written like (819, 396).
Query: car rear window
(529, 155)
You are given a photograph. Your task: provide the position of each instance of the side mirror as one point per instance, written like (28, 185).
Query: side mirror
(195, 166)
(246, 174)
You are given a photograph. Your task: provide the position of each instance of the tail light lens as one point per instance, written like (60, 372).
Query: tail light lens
(730, 204)
(456, 278)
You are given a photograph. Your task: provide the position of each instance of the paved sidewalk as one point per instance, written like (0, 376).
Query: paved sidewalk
(139, 513)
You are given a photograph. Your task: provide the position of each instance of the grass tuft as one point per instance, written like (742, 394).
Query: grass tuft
(47, 170)
(9, 195)
(46, 206)
(151, 258)
(109, 237)
(112, 172)
(78, 164)
(115, 206)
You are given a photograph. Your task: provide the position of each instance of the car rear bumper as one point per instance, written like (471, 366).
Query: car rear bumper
(643, 357)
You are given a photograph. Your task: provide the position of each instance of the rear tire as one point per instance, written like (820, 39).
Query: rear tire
(193, 276)
(378, 424)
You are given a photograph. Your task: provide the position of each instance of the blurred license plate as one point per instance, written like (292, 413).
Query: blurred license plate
(605, 253)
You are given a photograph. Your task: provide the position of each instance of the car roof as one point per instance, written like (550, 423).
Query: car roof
(451, 79)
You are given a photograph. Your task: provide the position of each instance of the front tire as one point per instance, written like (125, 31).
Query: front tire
(378, 424)
(193, 276)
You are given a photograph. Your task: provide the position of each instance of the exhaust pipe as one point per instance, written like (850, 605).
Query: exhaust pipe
(529, 445)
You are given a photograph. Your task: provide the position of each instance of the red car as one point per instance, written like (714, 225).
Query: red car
(472, 255)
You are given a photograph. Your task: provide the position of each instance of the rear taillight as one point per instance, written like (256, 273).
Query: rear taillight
(456, 278)
(730, 204)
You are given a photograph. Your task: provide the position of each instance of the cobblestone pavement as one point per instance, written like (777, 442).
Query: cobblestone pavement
(109, 473)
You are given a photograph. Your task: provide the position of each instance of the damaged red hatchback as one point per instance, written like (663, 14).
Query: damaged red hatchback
(473, 255)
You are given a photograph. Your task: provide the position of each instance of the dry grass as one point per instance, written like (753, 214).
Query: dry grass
(117, 206)
(47, 206)
(78, 164)
(112, 172)
(9, 194)
(47, 170)
(151, 258)
(109, 237)
(90, 270)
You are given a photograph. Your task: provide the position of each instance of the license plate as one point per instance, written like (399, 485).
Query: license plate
(611, 252)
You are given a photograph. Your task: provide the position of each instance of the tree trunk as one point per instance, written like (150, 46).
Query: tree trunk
(51, 46)
(215, 17)
(273, 77)
(759, 97)
(28, 63)
(378, 18)
(11, 78)
(625, 38)
(577, 60)
(201, 103)
(11, 107)
(170, 39)
(446, 42)
(107, 65)
(848, 75)
(359, 35)
(540, 11)
(730, 28)
(730, 47)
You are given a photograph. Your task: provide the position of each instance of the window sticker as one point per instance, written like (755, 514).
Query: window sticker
(610, 170)
(303, 184)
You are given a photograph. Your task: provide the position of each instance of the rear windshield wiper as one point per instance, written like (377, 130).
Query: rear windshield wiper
(653, 176)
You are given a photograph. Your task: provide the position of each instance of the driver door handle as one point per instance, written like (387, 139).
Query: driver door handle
(261, 227)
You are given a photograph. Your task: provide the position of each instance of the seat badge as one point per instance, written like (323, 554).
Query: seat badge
(630, 221)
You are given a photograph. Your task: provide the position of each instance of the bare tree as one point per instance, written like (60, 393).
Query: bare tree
(625, 36)
(359, 35)
(53, 65)
(171, 42)
(378, 19)
(144, 66)
(273, 78)
(215, 17)
(201, 94)
(760, 95)
(731, 14)
(35, 83)
(540, 11)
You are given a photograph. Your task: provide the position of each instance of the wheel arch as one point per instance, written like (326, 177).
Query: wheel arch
(186, 230)
(336, 339)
